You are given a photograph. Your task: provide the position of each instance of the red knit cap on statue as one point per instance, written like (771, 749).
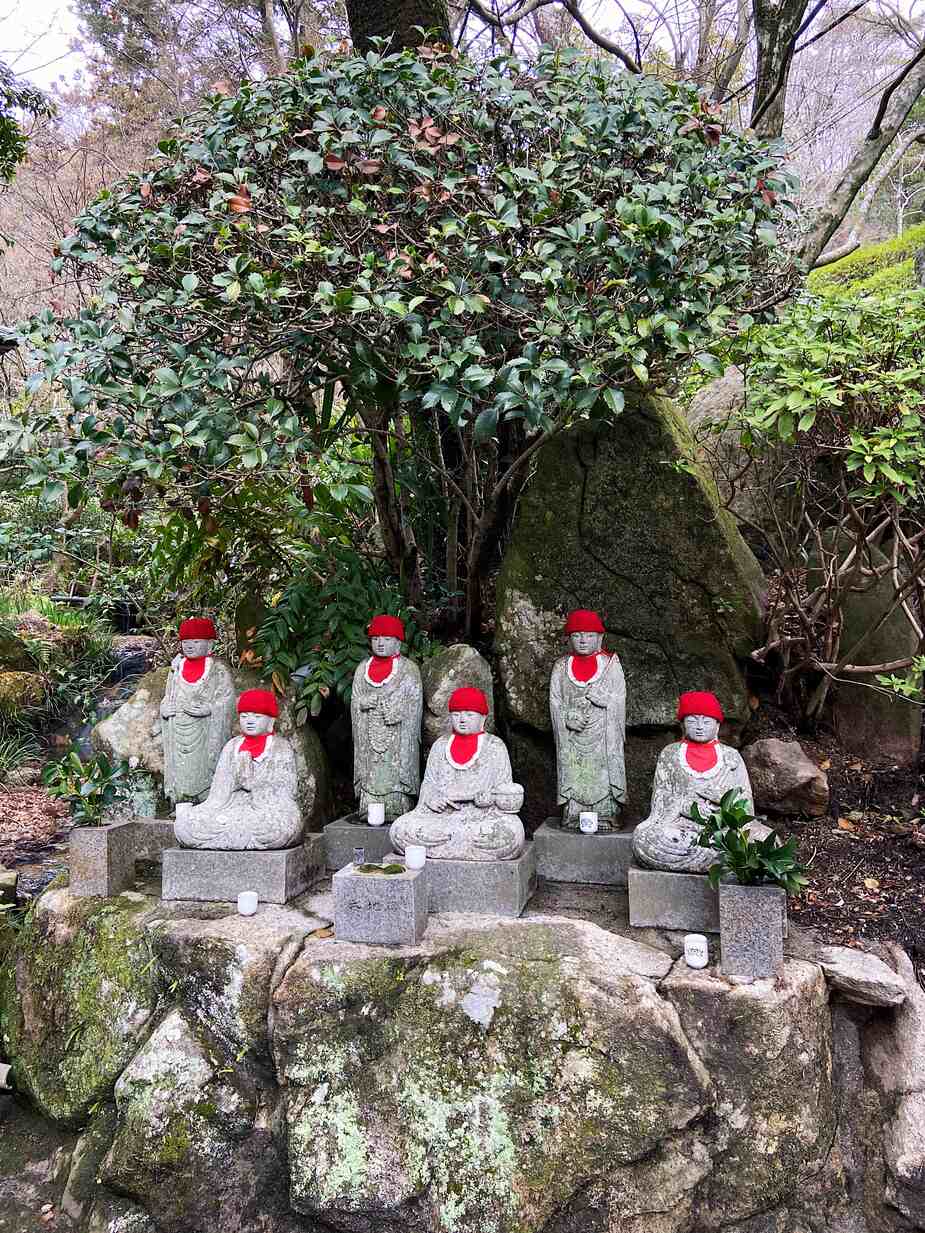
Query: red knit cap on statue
(468, 698)
(258, 702)
(384, 626)
(197, 627)
(583, 621)
(700, 703)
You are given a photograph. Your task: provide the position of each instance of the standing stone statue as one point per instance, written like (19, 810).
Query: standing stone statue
(698, 769)
(386, 708)
(197, 713)
(587, 702)
(252, 802)
(468, 807)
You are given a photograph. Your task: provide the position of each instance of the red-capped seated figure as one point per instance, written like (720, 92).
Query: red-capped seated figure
(697, 769)
(386, 706)
(252, 803)
(587, 705)
(197, 713)
(468, 806)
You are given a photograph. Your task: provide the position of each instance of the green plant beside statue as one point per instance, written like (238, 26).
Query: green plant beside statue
(90, 788)
(749, 861)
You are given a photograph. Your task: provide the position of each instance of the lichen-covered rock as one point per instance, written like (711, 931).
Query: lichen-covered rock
(784, 779)
(861, 977)
(20, 691)
(451, 667)
(608, 523)
(477, 1086)
(76, 997)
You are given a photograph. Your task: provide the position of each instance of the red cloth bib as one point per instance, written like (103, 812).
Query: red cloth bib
(254, 745)
(701, 756)
(193, 669)
(379, 668)
(463, 746)
(585, 666)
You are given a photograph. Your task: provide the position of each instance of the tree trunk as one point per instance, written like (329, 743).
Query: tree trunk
(395, 20)
(776, 26)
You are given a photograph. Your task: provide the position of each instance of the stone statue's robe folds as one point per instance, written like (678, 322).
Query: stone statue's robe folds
(667, 839)
(386, 723)
(467, 832)
(590, 765)
(252, 803)
(196, 721)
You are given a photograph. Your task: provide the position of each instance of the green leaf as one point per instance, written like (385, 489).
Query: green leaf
(485, 424)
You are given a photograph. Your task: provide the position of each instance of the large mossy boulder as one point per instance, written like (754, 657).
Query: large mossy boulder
(613, 521)
(451, 667)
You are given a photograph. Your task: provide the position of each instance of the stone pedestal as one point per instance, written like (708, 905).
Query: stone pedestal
(684, 901)
(752, 921)
(491, 888)
(380, 910)
(569, 856)
(212, 876)
(347, 833)
(102, 859)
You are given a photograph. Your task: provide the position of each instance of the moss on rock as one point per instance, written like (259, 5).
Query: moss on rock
(883, 268)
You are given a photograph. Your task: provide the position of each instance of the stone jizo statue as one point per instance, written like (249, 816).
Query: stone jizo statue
(468, 806)
(587, 703)
(698, 769)
(386, 707)
(197, 713)
(252, 802)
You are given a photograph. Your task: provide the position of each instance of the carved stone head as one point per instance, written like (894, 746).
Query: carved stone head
(195, 648)
(252, 723)
(700, 728)
(584, 642)
(384, 646)
(467, 722)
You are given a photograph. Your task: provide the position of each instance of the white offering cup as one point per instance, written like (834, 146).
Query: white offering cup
(587, 822)
(375, 815)
(696, 950)
(247, 903)
(415, 856)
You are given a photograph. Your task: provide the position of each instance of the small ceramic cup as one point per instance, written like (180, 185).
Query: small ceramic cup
(375, 815)
(696, 950)
(247, 903)
(415, 856)
(587, 822)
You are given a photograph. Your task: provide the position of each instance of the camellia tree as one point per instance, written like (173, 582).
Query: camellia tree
(453, 261)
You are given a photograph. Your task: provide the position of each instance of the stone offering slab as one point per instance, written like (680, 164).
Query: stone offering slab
(569, 856)
(684, 901)
(379, 910)
(751, 930)
(347, 833)
(277, 875)
(491, 888)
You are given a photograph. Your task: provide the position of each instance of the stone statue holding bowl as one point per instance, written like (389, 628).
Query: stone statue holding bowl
(468, 809)
(697, 769)
(252, 802)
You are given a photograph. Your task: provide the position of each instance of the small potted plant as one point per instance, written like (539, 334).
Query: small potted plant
(754, 877)
(101, 847)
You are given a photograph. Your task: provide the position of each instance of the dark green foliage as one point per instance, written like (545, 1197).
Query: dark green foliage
(16, 97)
(90, 787)
(752, 862)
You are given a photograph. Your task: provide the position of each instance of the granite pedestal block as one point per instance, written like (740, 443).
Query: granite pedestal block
(684, 901)
(491, 888)
(102, 859)
(212, 876)
(378, 909)
(751, 930)
(569, 856)
(347, 833)
(152, 836)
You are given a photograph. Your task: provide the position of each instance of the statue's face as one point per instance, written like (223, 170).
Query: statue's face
(701, 728)
(195, 648)
(466, 722)
(253, 724)
(585, 643)
(383, 646)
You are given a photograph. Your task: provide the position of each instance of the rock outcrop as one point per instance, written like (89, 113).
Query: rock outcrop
(451, 667)
(609, 522)
(784, 779)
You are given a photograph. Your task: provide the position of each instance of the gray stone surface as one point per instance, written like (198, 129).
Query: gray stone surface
(347, 833)
(378, 909)
(8, 879)
(450, 668)
(386, 722)
(784, 779)
(491, 888)
(102, 859)
(152, 836)
(662, 900)
(751, 927)
(569, 856)
(196, 720)
(277, 875)
(861, 977)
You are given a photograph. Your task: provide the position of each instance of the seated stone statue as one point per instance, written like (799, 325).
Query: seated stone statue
(386, 706)
(587, 704)
(697, 769)
(468, 806)
(196, 715)
(252, 802)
